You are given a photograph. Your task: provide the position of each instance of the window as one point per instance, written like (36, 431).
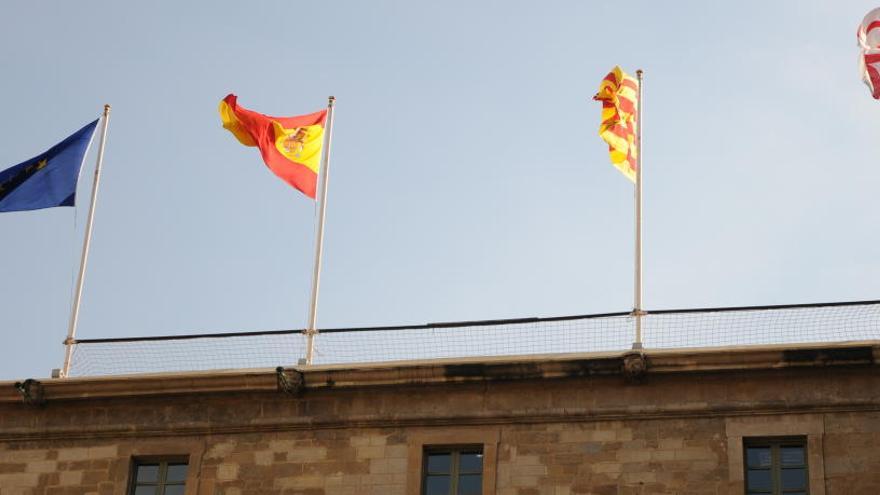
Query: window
(158, 477)
(776, 466)
(453, 471)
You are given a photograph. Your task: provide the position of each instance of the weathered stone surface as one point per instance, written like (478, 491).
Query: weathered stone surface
(673, 433)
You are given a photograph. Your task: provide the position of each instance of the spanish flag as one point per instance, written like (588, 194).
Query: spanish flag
(290, 146)
(618, 93)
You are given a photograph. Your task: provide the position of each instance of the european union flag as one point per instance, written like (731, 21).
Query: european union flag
(48, 179)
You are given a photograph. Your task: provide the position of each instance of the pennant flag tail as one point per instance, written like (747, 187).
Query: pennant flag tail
(618, 93)
(49, 179)
(869, 60)
(290, 146)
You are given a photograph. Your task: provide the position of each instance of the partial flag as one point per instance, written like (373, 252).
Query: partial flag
(618, 93)
(869, 60)
(290, 146)
(49, 179)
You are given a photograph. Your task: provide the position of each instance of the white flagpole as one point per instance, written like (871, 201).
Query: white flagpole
(312, 329)
(74, 311)
(637, 296)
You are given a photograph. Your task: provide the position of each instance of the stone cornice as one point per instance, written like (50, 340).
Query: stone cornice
(706, 360)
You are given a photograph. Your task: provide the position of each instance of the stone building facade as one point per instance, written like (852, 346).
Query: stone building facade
(663, 422)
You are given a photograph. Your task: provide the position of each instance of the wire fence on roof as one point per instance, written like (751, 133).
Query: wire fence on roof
(715, 327)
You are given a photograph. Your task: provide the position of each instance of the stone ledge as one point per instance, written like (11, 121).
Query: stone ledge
(560, 416)
(506, 368)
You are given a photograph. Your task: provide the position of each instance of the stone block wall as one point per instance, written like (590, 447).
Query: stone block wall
(672, 434)
(662, 456)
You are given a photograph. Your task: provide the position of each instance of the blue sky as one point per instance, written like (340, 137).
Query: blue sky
(467, 179)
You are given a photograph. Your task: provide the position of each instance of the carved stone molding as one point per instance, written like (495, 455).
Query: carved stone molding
(635, 367)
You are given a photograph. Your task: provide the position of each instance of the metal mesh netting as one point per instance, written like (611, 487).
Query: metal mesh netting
(717, 327)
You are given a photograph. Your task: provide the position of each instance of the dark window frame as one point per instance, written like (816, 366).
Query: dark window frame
(455, 451)
(161, 482)
(775, 443)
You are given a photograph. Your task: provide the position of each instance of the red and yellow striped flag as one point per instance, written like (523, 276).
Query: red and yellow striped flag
(619, 94)
(290, 146)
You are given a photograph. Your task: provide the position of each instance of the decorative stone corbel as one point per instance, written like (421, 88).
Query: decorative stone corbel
(294, 385)
(31, 392)
(635, 367)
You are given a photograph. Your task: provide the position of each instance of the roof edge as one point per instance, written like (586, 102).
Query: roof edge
(445, 371)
